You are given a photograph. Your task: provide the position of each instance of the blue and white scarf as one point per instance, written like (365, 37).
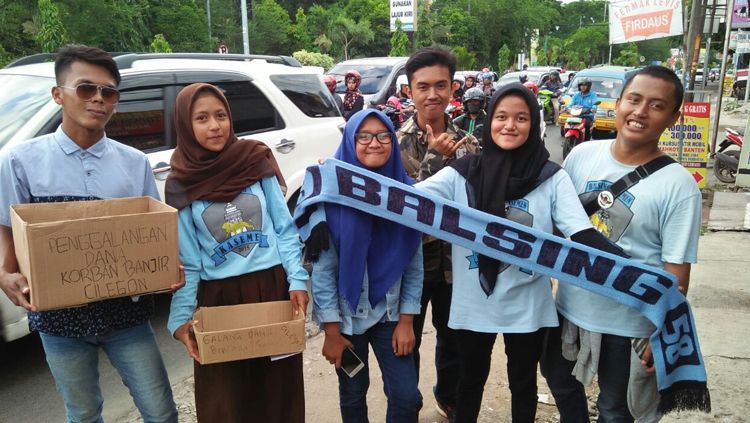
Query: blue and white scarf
(680, 371)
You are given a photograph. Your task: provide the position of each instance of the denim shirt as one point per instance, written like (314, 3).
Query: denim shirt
(403, 297)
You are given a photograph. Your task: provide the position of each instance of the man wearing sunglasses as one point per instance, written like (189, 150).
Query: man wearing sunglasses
(78, 162)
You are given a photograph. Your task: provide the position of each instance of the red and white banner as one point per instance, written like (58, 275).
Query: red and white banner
(636, 20)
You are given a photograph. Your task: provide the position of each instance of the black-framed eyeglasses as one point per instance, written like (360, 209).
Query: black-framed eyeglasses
(87, 91)
(365, 138)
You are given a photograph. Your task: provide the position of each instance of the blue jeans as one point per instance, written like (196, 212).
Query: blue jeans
(74, 363)
(569, 393)
(614, 374)
(399, 378)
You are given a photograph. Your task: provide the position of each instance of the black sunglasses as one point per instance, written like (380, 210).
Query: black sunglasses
(87, 91)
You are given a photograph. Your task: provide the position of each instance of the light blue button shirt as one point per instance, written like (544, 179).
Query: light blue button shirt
(404, 297)
(53, 168)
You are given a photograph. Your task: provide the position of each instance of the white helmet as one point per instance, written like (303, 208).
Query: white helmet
(401, 80)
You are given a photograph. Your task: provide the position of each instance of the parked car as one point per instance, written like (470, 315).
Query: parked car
(607, 83)
(536, 76)
(273, 99)
(378, 77)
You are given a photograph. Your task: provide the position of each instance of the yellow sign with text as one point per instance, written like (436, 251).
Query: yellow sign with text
(693, 153)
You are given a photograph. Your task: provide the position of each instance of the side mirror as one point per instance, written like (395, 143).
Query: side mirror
(597, 103)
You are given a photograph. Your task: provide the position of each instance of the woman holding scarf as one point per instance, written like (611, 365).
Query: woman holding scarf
(367, 280)
(512, 178)
(225, 190)
(353, 99)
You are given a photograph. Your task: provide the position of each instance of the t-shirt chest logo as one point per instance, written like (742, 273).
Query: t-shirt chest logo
(237, 226)
(615, 214)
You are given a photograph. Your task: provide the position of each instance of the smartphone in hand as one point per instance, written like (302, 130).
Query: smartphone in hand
(351, 363)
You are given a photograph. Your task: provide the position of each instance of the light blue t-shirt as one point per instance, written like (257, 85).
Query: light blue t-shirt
(224, 239)
(655, 221)
(522, 300)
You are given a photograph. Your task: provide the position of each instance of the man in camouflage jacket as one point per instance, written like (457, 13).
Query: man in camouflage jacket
(428, 142)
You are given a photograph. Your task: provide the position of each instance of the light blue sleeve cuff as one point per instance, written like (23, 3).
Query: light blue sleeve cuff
(328, 315)
(409, 308)
(297, 285)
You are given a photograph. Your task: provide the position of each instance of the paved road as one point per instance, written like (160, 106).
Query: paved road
(27, 387)
(27, 391)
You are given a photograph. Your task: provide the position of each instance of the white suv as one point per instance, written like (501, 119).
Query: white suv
(273, 99)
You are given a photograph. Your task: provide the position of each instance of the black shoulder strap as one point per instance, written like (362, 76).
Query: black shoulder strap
(626, 182)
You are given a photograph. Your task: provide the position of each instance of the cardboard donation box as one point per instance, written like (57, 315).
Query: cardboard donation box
(74, 253)
(237, 332)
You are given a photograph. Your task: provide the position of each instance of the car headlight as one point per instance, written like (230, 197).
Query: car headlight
(610, 113)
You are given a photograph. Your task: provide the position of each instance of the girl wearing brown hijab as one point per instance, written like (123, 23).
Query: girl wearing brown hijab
(238, 245)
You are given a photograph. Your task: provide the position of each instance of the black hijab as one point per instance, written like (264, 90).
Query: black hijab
(497, 175)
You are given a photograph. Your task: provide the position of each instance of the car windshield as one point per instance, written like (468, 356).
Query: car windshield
(603, 87)
(373, 77)
(22, 97)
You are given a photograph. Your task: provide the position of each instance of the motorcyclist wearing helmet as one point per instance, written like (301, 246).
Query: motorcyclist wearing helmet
(487, 87)
(555, 85)
(567, 83)
(330, 82)
(470, 82)
(353, 99)
(404, 97)
(587, 98)
(474, 117)
(532, 86)
(458, 87)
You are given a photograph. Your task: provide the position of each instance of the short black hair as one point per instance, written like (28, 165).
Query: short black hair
(69, 54)
(430, 56)
(663, 73)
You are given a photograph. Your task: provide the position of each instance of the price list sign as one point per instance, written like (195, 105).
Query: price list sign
(693, 153)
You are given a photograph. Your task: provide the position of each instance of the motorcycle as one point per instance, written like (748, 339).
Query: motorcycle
(727, 161)
(545, 98)
(574, 130)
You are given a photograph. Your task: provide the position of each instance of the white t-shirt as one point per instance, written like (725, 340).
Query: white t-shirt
(522, 300)
(655, 221)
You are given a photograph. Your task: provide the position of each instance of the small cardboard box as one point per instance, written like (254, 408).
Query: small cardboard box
(237, 332)
(74, 253)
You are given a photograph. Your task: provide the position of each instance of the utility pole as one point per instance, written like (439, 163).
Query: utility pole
(728, 24)
(245, 40)
(692, 44)
(208, 13)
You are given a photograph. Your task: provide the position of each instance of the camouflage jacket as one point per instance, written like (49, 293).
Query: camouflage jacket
(422, 162)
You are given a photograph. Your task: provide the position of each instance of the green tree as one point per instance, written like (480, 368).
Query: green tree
(269, 28)
(184, 23)
(628, 56)
(226, 21)
(17, 28)
(160, 44)
(112, 25)
(586, 46)
(465, 59)
(311, 58)
(299, 35)
(348, 34)
(52, 34)
(399, 42)
(377, 13)
(503, 58)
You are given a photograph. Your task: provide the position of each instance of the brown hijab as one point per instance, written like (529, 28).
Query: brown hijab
(198, 173)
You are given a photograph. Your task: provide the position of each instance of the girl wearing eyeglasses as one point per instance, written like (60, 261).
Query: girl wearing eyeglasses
(238, 245)
(367, 281)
